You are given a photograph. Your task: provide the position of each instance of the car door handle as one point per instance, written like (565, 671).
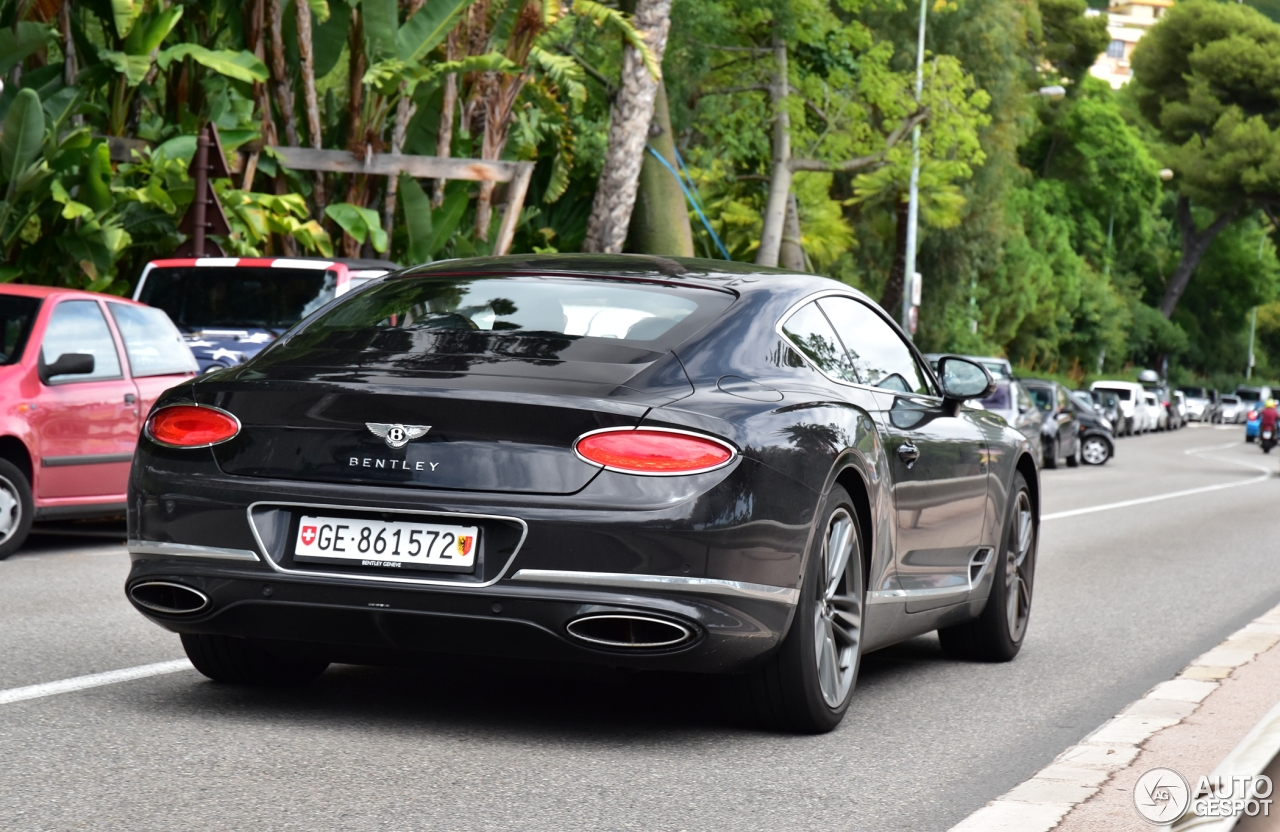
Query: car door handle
(129, 398)
(908, 453)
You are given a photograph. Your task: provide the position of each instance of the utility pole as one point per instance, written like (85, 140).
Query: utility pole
(910, 287)
(205, 216)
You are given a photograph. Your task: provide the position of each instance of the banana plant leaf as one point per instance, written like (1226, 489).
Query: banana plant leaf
(428, 28)
(242, 65)
(17, 44)
(23, 135)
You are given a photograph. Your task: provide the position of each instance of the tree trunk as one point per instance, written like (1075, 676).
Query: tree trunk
(660, 220)
(448, 103)
(307, 70)
(70, 66)
(775, 212)
(404, 112)
(356, 183)
(891, 298)
(791, 252)
(281, 84)
(1194, 245)
(628, 128)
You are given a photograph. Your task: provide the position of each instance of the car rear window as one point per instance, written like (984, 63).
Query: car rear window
(1249, 395)
(525, 316)
(1124, 394)
(17, 314)
(238, 297)
(1043, 397)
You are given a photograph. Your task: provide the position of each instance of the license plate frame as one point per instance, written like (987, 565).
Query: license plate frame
(420, 546)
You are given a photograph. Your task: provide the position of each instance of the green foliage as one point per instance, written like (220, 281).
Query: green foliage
(361, 223)
(1072, 41)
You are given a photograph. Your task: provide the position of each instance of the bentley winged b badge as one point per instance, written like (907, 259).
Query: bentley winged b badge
(397, 436)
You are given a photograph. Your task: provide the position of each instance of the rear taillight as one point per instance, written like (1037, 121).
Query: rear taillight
(191, 426)
(654, 451)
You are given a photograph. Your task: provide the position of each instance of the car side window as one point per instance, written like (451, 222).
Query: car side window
(811, 333)
(151, 341)
(879, 356)
(1062, 401)
(77, 326)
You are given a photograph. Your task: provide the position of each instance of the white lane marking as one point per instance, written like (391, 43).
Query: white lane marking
(93, 680)
(1155, 498)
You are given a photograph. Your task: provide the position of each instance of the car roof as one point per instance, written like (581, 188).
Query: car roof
(42, 292)
(743, 278)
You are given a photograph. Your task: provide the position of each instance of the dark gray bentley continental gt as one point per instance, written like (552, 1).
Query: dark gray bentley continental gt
(631, 461)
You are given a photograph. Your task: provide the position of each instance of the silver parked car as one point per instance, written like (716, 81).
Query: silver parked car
(1010, 401)
(1231, 410)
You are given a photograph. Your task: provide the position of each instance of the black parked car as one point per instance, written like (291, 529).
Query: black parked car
(1061, 428)
(637, 462)
(1097, 442)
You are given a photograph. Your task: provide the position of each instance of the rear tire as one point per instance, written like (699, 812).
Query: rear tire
(16, 508)
(806, 684)
(1051, 454)
(997, 634)
(239, 661)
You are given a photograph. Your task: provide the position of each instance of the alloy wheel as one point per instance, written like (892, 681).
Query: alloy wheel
(838, 611)
(1094, 451)
(1020, 568)
(10, 510)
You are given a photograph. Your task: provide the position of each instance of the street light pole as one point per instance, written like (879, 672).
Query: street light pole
(913, 193)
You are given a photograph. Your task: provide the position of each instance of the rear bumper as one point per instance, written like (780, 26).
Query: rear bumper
(523, 617)
(689, 550)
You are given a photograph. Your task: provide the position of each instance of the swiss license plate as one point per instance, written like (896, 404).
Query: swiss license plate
(391, 545)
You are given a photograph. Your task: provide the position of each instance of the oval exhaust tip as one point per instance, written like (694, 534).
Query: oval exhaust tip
(168, 598)
(629, 631)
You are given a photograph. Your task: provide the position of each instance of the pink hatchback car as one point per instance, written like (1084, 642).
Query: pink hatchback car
(78, 373)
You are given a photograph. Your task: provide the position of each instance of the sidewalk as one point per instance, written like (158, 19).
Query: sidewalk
(1190, 724)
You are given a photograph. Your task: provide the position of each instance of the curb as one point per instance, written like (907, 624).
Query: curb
(1077, 774)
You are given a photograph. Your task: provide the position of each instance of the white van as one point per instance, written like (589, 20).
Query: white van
(1129, 394)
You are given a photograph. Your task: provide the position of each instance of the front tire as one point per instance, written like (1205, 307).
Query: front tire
(1095, 451)
(806, 685)
(997, 634)
(240, 661)
(16, 508)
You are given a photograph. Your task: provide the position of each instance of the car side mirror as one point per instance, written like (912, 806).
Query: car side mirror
(68, 364)
(963, 379)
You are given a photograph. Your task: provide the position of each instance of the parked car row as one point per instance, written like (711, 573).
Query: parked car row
(1071, 426)
(79, 371)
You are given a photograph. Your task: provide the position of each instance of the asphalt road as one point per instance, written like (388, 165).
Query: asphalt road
(1125, 597)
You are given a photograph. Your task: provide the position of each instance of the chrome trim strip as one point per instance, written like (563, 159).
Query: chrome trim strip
(187, 550)
(262, 547)
(83, 459)
(733, 452)
(671, 583)
(901, 596)
(867, 302)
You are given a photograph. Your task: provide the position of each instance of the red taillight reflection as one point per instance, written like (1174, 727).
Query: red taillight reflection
(191, 426)
(651, 451)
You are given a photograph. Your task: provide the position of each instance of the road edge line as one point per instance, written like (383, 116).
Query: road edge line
(1040, 802)
(93, 680)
